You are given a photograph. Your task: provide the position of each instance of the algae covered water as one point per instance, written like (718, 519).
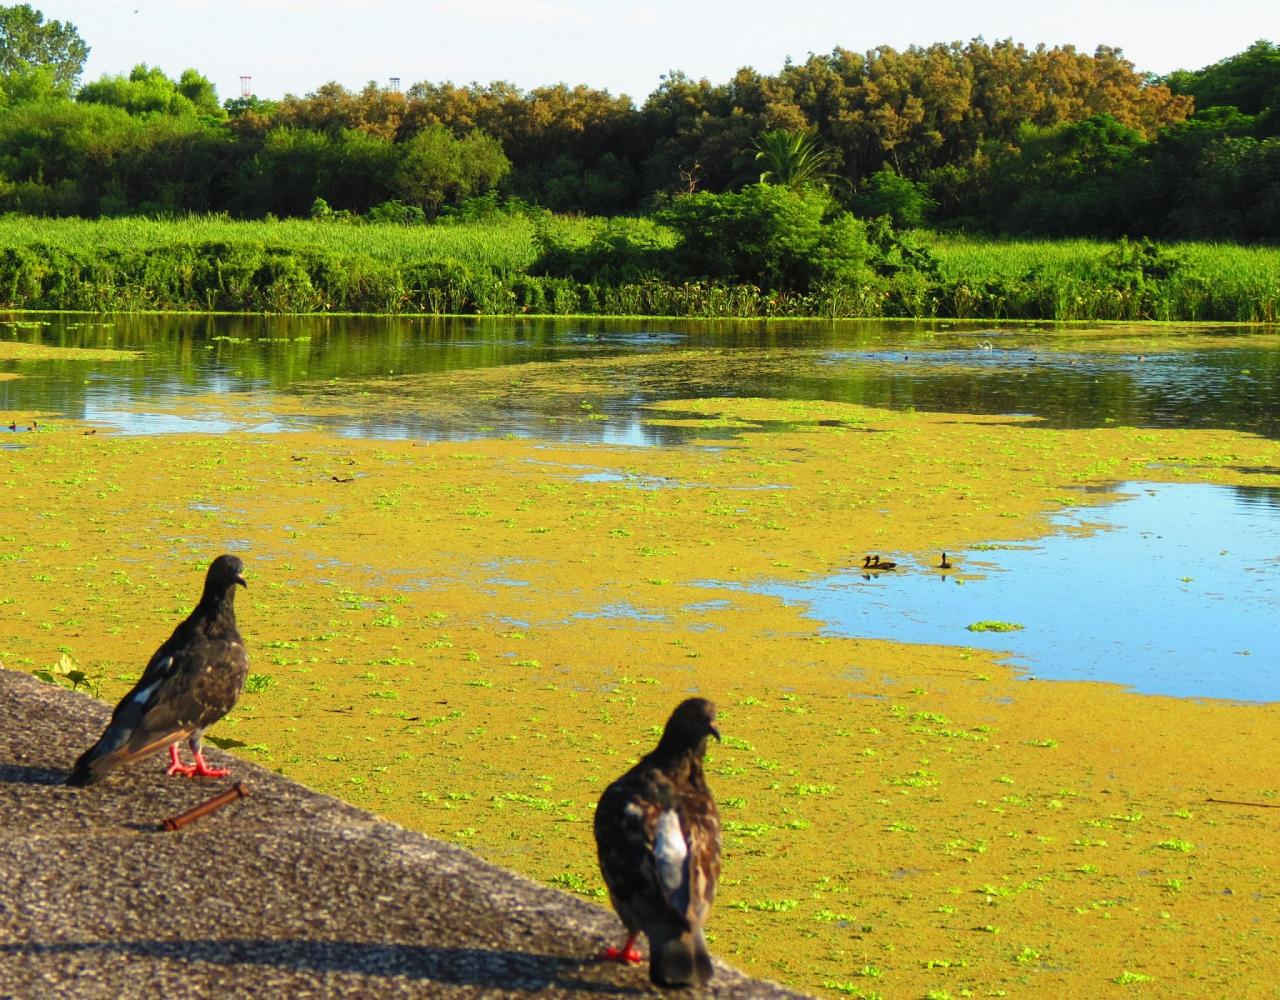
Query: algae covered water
(1172, 591)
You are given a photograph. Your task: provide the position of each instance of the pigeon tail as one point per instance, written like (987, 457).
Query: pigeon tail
(99, 759)
(116, 746)
(82, 774)
(678, 957)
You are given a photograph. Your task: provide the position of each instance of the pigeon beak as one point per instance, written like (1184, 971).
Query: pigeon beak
(716, 733)
(240, 580)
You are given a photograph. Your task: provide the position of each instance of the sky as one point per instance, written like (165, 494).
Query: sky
(294, 46)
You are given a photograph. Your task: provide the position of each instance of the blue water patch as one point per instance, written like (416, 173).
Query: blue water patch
(171, 423)
(1173, 590)
(719, 604)
(620, 609)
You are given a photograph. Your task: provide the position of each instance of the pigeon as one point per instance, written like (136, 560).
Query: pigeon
(658, 839)
(192, 681)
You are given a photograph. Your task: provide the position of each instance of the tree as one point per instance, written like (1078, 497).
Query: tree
(767, 235)
(27, 42)
(436, 166)
(793, 160)
(200, 91)
(1249, 81)
(889, 193)
(1071, 180)
(147, 90)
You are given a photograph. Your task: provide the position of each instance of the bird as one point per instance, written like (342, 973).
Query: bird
(658, 841)
(946, 563)
(874, 563)
(191, 682)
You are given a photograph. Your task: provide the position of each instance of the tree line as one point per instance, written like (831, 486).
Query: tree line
(982, 136)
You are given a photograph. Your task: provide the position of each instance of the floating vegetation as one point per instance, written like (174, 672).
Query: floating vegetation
(257, 683)
(995, 626)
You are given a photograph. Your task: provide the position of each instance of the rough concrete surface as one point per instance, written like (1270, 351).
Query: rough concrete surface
(285, 893)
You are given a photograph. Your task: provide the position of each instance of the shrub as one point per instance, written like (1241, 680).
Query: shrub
(397, 212)
(888, 193)
(767, 235)
(622, 250)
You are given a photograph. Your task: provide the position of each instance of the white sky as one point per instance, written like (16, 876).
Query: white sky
(294, 46)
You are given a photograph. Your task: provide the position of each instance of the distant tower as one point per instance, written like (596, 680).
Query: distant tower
(246, 86)
(395, 85)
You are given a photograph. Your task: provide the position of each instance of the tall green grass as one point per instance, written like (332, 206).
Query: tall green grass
(1073, 280)
(297, 266)
(506, 243)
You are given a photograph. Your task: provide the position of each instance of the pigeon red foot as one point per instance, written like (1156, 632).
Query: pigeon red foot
(627, 954)
(200, 769)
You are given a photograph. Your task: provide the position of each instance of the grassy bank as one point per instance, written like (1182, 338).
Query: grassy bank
(497, 268)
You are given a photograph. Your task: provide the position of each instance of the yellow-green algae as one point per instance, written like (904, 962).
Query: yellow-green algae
(899, 819)
(17, 350)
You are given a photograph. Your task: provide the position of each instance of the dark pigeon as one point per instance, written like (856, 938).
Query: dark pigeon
(658, 839)
(192, 681)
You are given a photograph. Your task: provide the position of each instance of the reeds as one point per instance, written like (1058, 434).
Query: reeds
(484, 267)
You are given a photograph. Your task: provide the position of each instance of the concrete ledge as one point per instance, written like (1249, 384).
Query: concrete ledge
(285, 893)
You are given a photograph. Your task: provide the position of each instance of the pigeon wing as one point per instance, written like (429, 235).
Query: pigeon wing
(627, 824)
(120, 741)
(702, 820)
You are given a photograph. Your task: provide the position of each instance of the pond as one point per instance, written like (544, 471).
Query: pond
(1172, 591)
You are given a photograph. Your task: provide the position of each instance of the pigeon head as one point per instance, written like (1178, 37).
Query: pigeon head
(689, 726)
(224, 574)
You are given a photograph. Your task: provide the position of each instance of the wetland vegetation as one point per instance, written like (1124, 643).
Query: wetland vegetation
(522, 265)
(816, 191)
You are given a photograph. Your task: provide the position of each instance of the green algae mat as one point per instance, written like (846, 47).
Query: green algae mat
(473, 638)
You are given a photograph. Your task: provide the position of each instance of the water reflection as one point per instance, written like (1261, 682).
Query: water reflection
(1174, 594)
(1228, 377)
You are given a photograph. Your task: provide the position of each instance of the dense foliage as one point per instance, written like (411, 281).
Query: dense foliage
(993, 137)
(555, 265)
